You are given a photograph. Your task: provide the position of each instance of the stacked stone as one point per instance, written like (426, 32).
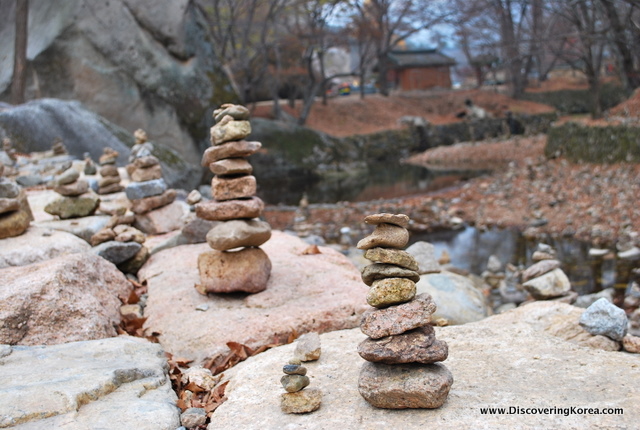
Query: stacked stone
(545, 279)
(89, 166)
(236, 206)
(110, 178)
(147, 189)
(297, 400)
(15, 212)
(76, 200)
(121, 243)
(402, 352)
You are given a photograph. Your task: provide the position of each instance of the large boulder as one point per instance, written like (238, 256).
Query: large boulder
(457, 298)
(39, 244)
(306, 292)
(145, 64)
(506, 361)
(33, 126)
(68, 298)
(109, 384)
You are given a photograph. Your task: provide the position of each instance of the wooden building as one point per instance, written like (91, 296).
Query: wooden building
(420, 69)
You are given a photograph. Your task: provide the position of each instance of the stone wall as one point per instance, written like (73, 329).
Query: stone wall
(578, 101)
(594, 144)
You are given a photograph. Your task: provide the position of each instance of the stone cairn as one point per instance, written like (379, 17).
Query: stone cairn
(15, 212)
(147, 189)
(237, 208)
(402, 353)
(89, 166)
(109, 182)
(297, 400)
(544, 279)
(76, 200)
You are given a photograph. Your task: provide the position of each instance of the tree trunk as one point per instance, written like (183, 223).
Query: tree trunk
(596, 106)
(383, 70)
(630, 76)
(20, 53)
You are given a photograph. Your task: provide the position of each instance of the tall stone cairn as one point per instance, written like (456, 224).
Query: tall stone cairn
(15, 212)
(226, 269)
(147, 189)
(402, 352)
(110, 178)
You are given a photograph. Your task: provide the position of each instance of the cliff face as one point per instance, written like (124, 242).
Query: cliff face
(139, 63)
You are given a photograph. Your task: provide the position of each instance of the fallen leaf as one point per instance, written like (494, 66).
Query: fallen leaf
(311, 250)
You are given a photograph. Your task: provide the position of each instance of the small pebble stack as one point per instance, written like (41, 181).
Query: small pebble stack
(545, 279)
(76, 200)
(15, 212)
(89, 166)
(401, 351)
(297, 400)
(110, 181)
(147, 189)
(121, 243)
(237, 208)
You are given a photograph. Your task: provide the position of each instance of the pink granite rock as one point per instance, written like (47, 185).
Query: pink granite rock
(377, 323)
(233, 188)
(231, 166)
(68, 298)
(315, 292)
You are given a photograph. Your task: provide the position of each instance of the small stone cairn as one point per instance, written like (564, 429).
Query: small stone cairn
(89, 166)
(545, 279)
(15, 212)
(109, 182)
(402, 352)
(235, 205)
(76, 199)
(297, 400)
(147, 189)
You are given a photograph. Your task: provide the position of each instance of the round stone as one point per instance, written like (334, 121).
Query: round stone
(67, 177)
(236, 233)
(293, 383)
(392, 256)
(376, 271)
(294, 369)
(73, 189)
(403, 386)
(391, 291)
(401, 220)
(386, 236)
(301, 402)
(417, 346)
(109, 170)
(247, 270)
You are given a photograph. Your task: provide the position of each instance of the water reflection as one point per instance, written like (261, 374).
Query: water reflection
(470, 249)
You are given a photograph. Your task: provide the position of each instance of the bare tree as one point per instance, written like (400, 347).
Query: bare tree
(20, 53)
(623, 30)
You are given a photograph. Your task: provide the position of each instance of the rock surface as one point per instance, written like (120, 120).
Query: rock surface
(503, 361)
(457, 299)
(108, 384)
(319, 292)
(68, 298)
(39, 244)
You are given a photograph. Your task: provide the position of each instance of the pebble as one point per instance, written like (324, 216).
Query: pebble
(67, 177)
(73, 189)
(8, 205)
(392, 256)
(194, 197)
(294, 369)
(605, 318)
(227, 129)
(117, 252)
(385, 236)
(376, 271)
(193, 417)
(237, 112)
(301, 402)
(391, 291)
(308, 347)
(630, 343)
(293, 383)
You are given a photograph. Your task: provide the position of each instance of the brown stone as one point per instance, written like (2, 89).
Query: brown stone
(631, 343)
(539, 269)
(8, 205)
(386, 236)
(14, 223)
(147, 204)
(109, 170)
(105, 181)
(417, 346)
(228, 129)
(73, 189)
(134, 264)
(247, 270)
(391, 291)
(236, 188)
(392, 256)
(301, 402)
(376, 271)
(238, 233)
(104, 235)
(396, 219)
(377, 323)
(231, 166)
(144, 162)
(110, 189)
(147, 173)
(237, 112)
(127, 233)
(405, 386)
(230, 209)
(241, 148)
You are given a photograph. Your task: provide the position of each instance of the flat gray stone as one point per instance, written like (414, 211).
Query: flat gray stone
(140, 190)
(238, 233)
(109, 384)
(425, 255)
(84, 227)
(116, 252)
(415, 346)
(605, 318)
(376, 271)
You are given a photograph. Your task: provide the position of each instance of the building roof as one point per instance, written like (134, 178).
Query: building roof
(420, 58)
